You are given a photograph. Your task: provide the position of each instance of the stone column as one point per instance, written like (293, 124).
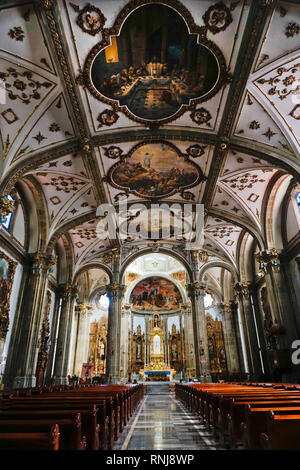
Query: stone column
(196, 292)
(182, 340)
(23, 351)
(82, 311)
(243, 293)
(279, 294)
(284, 329)
(67, 294)
(234, 364)
(115, 293)
(190, 350)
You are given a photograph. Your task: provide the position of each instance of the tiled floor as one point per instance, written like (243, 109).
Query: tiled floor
(162, 423)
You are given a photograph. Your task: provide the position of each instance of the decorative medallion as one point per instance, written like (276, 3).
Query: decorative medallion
(108, 117)
(196, 150)
(9, 116)
(155, 170)
(91, 20)
(295, 112)
(22, 85)
(217, 18)
(201, 116)
(112, 152)
(153, 68)
(16, 33)
(292, 29)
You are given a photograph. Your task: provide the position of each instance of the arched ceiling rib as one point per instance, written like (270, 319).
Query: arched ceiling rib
(50, 122)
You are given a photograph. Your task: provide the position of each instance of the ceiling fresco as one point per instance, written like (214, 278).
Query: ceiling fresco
(154, 66)
(154, 171)
(155, 293)
(191, 101)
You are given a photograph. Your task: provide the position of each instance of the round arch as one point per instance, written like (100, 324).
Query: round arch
(164, 251)
(217, 264)
(93, 265)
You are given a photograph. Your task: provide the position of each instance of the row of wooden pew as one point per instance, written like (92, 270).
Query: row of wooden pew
(66, 418)
(247, 415)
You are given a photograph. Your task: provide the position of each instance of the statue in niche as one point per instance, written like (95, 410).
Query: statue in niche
(138, 348)
(174, 350)
(155, 321)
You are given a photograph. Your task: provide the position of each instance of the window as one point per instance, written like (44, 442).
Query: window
(208, 300)
(103, 302)
(6, 224)
(298, 199)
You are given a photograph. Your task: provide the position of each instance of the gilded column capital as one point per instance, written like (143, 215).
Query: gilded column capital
(6, 207)
(68, 290)
(229, 307)
(115, 290)
(196, 289)
(42, 262)
(269, 258)
(242, 288)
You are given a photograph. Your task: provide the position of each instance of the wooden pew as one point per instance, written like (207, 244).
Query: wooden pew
(31, 440)
(97, 417)
(69, 423)
(238, 411)
(256, 422)
(282, 432)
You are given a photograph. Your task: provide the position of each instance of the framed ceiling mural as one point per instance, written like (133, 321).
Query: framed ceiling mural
(155, 293)
(155, 63)
(155, 170)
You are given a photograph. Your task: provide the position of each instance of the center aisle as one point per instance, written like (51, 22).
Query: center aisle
(162, 423)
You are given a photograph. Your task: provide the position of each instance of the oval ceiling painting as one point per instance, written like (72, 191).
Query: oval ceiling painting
(155, 293)
(154, 66)
(154, 170)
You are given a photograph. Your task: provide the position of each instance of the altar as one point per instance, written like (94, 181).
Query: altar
(157, 370)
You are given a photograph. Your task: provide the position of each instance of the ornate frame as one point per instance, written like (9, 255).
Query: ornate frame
(4, 309)
(181, 189)
(224, 75)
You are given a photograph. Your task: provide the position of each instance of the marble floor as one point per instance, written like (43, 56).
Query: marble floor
(162, 423)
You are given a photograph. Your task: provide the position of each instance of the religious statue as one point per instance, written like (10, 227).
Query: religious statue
(174, 350)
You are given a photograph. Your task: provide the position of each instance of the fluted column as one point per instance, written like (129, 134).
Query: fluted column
(196, 292)
(279, 295)
(82, 312)
(22, 356)
(282, 328)
(243, 293)
(230, 338)
(67, 293)
(115, 293)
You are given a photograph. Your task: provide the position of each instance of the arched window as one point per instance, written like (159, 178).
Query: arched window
(298, 199)
(208, 300)
(7, 223)
(103, 302)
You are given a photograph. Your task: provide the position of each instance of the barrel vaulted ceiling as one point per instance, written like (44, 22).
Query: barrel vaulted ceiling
(234, 142)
